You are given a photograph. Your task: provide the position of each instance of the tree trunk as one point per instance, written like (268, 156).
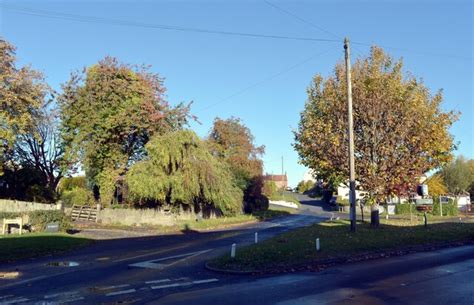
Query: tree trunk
(362, 211)
(374, 215)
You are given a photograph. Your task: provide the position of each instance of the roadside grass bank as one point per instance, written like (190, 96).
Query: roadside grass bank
(296, 250)
(187, 226)
(15, 247)
(285, 196)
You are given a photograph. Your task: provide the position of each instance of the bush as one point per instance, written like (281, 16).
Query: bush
(76, 196)
(449, 209)
(257, 204)
(39, 219)
(404, 208)
(269, 188)
(304, 186)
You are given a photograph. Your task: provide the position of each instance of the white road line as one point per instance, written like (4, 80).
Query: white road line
(110, 294)
(62, 294)
(114, 287)
(185, 284)
(158, 281)
(73, 299)
(14, 301)
(6, 296)
(26, 281)
(170, 285)
(148, 254)
(153, 265)
(205, 281)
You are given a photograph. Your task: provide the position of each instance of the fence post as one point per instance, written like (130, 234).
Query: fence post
(232, 251)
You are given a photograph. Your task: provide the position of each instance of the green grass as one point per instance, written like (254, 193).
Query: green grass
(285, 196)
(297, 248)
(14, 247)
(223, 222)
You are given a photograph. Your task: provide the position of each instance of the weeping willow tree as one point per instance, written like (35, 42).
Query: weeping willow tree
(180, 171)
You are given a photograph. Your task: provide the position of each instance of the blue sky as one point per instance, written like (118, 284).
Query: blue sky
(261, 80)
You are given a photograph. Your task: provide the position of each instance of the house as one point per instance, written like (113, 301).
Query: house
(281, 181)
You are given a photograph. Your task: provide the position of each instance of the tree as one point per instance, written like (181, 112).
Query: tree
(41, 147)
(232, 141)
(22, 92)
(180, 171)
(109, 112)
(400, 130)
(458, 175)
(436, 186)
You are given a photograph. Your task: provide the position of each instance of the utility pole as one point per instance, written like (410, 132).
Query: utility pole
(352, 194)
(282, 168)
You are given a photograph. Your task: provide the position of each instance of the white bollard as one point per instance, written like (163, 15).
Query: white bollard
(256, 237)
(317, 244)
(232, 251)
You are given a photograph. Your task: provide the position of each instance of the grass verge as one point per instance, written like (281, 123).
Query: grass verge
(296, 249)
(15, 247)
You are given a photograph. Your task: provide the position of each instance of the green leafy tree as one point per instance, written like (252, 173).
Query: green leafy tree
(109, 112)
(458, 175)
(400, 129)
(180, 171)
(304, 186)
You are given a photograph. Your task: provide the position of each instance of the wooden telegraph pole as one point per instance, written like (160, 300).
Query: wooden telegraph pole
(352, 195)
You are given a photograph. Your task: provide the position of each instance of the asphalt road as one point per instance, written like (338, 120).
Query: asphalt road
(170, 269)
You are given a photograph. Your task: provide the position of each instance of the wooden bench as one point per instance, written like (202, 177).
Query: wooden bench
(13, 221)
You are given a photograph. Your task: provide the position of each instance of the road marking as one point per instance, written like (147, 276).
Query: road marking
(148, 254)
(158, 281)
(170, 285)
(61, 294)
(113, 287)
(6, 296)
(14, 301)
(205, 281)
(73, 299)
(151, 264)
(26, 281)
(110, 294)
(185, 284)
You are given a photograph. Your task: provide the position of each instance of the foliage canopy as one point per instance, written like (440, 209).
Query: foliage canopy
(179, 170)
(399, 128)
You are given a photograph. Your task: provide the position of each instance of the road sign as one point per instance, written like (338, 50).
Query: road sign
(444, 199)
(424, 201)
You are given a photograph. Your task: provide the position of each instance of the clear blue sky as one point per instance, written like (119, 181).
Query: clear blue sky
(261, 80)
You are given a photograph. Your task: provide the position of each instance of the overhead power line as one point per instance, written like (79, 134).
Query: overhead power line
(91, 19)
(307, 22)
(264, 80)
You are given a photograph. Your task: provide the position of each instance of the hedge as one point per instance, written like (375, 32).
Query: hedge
(39, 219)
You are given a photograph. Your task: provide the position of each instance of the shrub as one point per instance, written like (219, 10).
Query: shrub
(76, 196)
(304, 186)
(342, 201)
(449, 209)
(269, 188)
(404, 208)
(39, 219)
(327, 196)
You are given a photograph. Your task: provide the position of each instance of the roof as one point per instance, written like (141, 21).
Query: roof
(275, 177)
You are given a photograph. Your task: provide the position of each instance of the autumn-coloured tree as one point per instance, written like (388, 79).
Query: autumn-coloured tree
(400, 130)
(436, 186)
(22, 93)
(108, 113)
(232, 141)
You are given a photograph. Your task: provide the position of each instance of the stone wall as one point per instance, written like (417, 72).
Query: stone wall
(131, 217)
(15, 206)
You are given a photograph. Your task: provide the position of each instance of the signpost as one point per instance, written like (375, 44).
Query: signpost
(52, 227)
(442, 199)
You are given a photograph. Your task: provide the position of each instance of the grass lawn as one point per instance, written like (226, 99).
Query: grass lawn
(223, 222)
(297, 248)
(14, 247)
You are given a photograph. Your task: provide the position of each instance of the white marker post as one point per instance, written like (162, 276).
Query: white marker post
(317, 245)
(232, 251)
(256, 237)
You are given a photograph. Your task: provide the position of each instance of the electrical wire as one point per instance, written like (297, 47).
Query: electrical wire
(90, 19)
